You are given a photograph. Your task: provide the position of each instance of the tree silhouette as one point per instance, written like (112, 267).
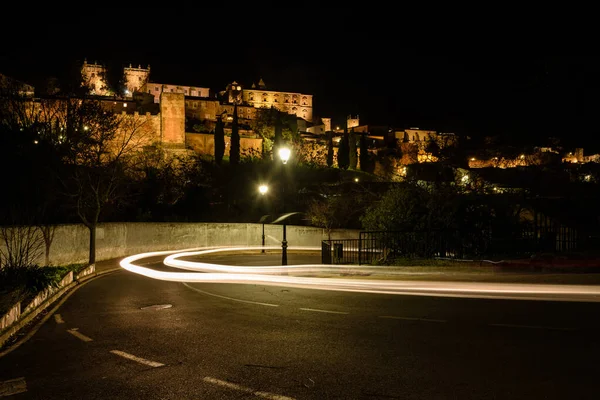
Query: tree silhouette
(330, 149)
(364, 153)
(343, 156)
(219, 140)
(234, 151)
(353, 155)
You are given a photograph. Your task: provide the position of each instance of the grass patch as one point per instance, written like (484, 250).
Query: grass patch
(24, 283)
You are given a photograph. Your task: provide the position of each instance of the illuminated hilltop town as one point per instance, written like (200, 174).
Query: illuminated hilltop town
(182, 119)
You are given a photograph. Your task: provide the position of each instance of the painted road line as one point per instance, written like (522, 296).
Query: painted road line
(412, 318)
(239, 388)
(231, 298)
(13, 386)
(58, 319)
(552, 328)
(323, 311)
(149, 363)
(78, 335)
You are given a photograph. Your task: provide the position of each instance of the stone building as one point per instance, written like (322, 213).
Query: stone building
(259, 96)
(156, 89)
(94, 76)
(135, 79)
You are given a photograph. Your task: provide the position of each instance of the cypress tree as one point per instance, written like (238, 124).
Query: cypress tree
(343, 156)
(353, 155)
(330, 149)
(219, 140)
(234, 151)
(364, 153)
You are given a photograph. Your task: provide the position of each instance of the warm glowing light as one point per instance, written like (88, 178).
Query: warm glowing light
(355, 179)
(124, 104)
(263, 189)
(473, 159)
(465, 178)
(35, 141)
(85, 128)
(272, 276)
(284, 154)
(522, 156)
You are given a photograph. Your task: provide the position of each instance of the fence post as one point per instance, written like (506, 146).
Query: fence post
(359, 247)
(325, 252)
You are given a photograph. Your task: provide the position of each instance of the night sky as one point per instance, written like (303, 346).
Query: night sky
(525, 92)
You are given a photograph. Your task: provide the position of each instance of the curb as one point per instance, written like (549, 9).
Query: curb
(69, 290)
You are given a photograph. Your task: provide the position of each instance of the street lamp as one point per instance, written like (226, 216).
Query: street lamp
(284, 155)
(263, 189)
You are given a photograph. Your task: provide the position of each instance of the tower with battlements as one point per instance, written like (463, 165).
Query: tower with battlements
(135, 78)
(94, 77)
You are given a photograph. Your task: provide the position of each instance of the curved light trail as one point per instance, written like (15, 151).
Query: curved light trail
(284, 276)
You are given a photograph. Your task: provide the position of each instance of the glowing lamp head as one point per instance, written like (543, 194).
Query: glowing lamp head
(284, 154)
(263, 189)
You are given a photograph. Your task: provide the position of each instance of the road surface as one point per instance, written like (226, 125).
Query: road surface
(125, 336)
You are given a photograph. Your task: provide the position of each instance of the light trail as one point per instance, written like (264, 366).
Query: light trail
(283, 276)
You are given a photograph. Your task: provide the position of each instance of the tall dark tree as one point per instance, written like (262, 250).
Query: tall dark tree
(343, 156)
(278, 139)
(352, 152)
(364, 153)
(330, 149)
(433, 147)
(219, 140)
(234, 151)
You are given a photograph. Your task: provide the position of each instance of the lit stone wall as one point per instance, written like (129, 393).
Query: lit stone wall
(293, 103)
(204, 143)
(71, 242)
(94, 75)
(157, 88)
(172, 110)
(135, 78)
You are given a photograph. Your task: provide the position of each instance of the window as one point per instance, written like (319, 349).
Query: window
(156, 89)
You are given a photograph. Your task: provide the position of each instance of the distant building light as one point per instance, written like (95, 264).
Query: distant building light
(355, 179)
(473, 159)
(125, 105)
(35, 141)
(522, 156)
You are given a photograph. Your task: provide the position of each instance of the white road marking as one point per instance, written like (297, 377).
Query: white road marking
(137, 359)
(324, 311)
(79, 335)
(13, 386)
(58, 319)
(231, 298)
(229, 385)
(412, 318)
(533, 327)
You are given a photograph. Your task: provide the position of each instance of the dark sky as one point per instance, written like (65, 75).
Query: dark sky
(522, 89)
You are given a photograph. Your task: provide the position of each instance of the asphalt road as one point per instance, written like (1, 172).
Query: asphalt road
(234, 341)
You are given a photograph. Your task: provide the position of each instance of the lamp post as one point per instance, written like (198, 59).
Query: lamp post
(284, 155)
(263, 189)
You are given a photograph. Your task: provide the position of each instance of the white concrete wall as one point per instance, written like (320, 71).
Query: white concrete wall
(71, 242)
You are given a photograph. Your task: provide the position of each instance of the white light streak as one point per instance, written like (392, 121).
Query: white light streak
(284, 276)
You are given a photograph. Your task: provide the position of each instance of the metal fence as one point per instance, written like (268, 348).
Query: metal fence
(373, 247)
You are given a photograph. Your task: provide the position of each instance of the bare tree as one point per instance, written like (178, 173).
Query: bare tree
(100, 153)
